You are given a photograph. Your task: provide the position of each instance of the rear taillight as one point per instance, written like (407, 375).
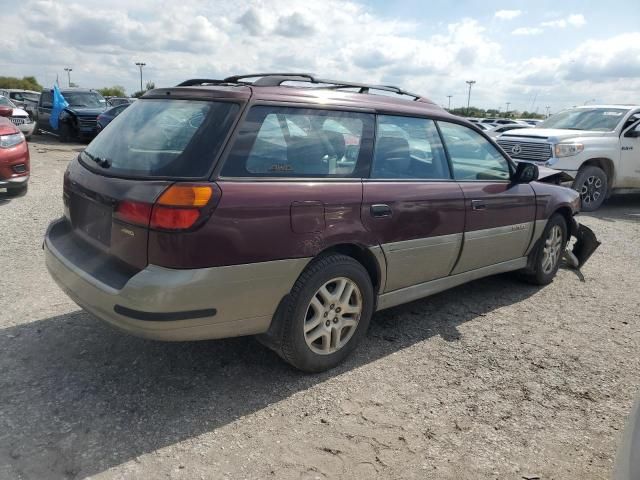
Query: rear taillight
(137, 213)
(180, 207)
(167, 218)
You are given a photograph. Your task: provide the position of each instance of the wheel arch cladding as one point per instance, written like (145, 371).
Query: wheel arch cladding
(605, 164)
(362, 255)
(568, 218)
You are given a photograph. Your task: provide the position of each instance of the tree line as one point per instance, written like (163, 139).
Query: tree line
(30, 83)
(476, 112)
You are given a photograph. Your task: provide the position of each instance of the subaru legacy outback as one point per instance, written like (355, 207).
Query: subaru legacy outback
(293, 208)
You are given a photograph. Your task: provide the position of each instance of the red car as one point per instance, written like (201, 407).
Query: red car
(14, 156)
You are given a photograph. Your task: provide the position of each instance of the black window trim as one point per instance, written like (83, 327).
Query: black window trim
(214, 161)
(216, 175)
(369, 179)
(508, 159)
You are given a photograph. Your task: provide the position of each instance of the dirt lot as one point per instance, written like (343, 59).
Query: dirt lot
(495, 379)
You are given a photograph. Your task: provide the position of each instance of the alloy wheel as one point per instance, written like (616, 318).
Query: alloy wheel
(591, 190)
(552, 249)
(332, 315)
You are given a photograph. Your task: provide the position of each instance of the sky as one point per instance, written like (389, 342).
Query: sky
(530, 54)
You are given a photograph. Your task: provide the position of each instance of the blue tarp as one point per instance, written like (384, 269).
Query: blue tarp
(59, 104)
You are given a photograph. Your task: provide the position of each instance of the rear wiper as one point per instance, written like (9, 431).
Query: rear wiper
(102, 162)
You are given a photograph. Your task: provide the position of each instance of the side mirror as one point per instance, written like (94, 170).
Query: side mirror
(634, 132)
(525, 173)
(6, 111)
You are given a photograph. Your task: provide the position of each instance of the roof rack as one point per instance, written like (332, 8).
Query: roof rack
(277, 79)
(200, 81)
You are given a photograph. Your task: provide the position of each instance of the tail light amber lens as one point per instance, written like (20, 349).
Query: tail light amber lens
(186, 196)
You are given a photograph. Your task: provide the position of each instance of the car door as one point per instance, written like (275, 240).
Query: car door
(499, 215)
(44, 110)
(411, 203)
(629, 171)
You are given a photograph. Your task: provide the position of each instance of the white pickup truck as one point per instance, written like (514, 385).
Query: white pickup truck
(598, 145)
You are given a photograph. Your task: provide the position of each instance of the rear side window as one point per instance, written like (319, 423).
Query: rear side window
(298, 142)
(473, 157)
(408, 148)
(162, 138)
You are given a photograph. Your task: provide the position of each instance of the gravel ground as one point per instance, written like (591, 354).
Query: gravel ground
(494, 379)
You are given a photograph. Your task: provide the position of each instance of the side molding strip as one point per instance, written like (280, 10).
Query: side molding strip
(422, 290)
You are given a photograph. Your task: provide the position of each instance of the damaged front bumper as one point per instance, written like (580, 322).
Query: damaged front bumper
(586, 244)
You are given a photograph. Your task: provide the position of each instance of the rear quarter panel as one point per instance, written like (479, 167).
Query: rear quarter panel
(253, 222)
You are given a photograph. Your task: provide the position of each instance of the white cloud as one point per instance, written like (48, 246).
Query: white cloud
(507, 14)
(574, 20)
(577, 20)
(607, 70)
(335, 38)
(527, 31)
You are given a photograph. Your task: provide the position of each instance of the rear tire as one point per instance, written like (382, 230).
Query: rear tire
(548, 252)
(592, 185)
(326, 315)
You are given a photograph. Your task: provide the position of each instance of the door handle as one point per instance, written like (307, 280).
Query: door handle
(478, 205)
(380, 210)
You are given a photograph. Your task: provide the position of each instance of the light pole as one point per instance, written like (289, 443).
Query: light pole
(470, 83)
(68, 70)
(449, 97)
(507, 112)
(548, 110)
(140, 65)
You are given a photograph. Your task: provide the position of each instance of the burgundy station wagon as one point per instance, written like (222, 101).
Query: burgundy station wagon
(220, 208)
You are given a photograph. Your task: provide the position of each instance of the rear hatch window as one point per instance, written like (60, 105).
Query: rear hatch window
(158, 138)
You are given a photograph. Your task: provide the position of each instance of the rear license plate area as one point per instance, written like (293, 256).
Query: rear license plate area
(91, 218)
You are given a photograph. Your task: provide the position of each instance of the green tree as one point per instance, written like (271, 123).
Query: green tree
(148, 86)
(25, 83)
(115, 91)
(526, 114)
(470, 112)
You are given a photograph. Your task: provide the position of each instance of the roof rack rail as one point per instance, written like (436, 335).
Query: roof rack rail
(200, 81)
(272, 79)
(277, 79)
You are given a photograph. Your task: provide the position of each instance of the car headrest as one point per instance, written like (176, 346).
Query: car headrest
(336, 140)
(392, 156)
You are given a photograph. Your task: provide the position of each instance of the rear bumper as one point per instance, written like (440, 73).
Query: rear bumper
(177, 305)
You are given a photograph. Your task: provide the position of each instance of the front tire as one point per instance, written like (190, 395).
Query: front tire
(547, 256)
(592, 185)
(66, 133)
(327, 313)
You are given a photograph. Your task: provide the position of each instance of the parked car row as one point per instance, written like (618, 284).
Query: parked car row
(25, 99)
(504, 121)
(18, 116)
(325, 203)
(32, 111)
